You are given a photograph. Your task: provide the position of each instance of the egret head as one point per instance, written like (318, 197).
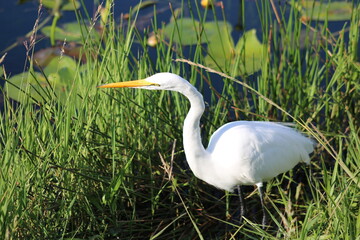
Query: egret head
(159, 81)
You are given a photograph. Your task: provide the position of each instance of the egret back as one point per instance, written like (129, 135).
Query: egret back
(248, 153)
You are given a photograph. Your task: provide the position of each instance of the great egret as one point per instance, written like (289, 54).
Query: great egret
(239, 153)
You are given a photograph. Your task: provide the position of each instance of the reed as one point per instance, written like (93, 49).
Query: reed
(109, 164)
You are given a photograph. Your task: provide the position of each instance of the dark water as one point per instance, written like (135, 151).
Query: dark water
(16, 20)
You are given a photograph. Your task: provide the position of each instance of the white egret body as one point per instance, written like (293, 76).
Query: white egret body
(239, 153)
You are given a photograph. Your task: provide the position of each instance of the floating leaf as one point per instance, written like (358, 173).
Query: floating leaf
(65, 5)
(44, 56)
(70, 31)
(183, 31)
(250, 51)
(25, 85)
(62, 34)
(176, 14)
(187, 31)
(222, 54)
(322, 11)
(71, 5)
(220, 45)
(60, 73)
(215, 30)
(64, 66)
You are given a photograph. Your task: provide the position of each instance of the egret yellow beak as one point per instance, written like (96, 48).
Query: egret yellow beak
(135, 83)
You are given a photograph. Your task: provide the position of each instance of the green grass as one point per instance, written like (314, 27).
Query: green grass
(91, 168)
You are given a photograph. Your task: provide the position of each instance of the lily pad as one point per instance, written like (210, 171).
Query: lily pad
(187, 31)
(60, 72)
(248, 54)
(70, 31)
(25, 85)
(64, 66)
(251, 53)
(222, 53)
(214, 29)
(220, 42)
(64, 5)
(322, 11)
(183, 31)
(220, 45)
(43, 57)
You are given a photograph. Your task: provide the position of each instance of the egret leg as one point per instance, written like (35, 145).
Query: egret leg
(261, 191)
(241, 199)
(310, 176)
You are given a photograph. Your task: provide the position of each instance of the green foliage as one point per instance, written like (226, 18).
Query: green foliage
(23, 85)
(71, 32)
(78, 162)
(245, 58)
(66, 5)
(183, 31)
(325, 11)
(57, 6)
(54, 82)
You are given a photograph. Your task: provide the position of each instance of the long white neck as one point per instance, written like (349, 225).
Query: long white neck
(195, 152)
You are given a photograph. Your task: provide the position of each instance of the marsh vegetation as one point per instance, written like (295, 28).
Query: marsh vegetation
(79, 163)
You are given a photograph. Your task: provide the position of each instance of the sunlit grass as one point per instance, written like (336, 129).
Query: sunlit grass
(109, 163)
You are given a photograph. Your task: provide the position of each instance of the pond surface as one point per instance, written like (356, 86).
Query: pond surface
(16, 20)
